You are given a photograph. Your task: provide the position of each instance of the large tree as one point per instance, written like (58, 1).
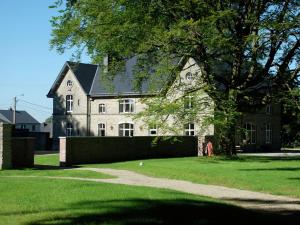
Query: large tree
(242, 46)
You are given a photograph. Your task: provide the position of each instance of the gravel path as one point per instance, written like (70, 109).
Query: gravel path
(247, 199)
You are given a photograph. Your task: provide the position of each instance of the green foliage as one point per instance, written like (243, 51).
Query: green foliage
(242, 47)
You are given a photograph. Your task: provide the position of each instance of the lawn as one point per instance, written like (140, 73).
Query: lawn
(279, 176)
(32, 201)
(43, 200)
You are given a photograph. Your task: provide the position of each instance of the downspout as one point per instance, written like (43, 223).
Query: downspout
(88, 117)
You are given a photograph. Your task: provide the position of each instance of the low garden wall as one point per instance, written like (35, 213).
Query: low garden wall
(22, 152)
(15, 152)
(81, 150)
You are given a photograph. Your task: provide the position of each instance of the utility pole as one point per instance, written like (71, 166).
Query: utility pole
(14, 110)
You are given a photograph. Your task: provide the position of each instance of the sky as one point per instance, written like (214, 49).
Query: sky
(28, 67)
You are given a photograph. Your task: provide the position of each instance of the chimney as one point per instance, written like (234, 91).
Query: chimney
(105, 64)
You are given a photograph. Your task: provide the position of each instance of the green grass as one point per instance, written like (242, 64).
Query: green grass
(30, 201)
(279, 176)
(43, 200)
(47, 165)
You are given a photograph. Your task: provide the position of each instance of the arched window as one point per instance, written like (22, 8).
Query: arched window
(101, 129)
(102, 108)
(126, 129)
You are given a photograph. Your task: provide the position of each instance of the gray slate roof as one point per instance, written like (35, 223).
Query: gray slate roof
(122, 83)
(4, 119)
(21, 116)
(89, 77)
(84, 73)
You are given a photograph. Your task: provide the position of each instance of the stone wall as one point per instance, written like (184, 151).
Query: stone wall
(81, 150)
(5, 146)
(15, 152)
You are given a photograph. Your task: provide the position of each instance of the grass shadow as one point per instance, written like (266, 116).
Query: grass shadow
(52, 167)
(180, 211)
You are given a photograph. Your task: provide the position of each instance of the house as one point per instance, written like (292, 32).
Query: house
(24, 121)
(83, 106)
(3, 119)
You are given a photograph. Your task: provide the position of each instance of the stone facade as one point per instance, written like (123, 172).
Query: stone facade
(86, 116)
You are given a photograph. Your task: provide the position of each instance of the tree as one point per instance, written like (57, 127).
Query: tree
(239, 46)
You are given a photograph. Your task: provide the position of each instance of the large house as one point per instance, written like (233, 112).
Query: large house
(24, 121)
(83, 106)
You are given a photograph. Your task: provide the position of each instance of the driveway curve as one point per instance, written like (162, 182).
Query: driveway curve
(244, 198)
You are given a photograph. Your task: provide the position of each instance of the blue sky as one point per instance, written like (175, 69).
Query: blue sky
(27, 65)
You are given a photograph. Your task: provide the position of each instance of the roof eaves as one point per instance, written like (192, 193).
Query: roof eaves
(58, 79)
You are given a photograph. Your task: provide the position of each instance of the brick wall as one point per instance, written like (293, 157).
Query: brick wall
(81, 150)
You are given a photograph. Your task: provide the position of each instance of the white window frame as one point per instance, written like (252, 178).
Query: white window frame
(101, 127)
(153, 128)
(69, 129)
(123, 130)
(102, 108)
(189, 129)
(123, 103)
(188, 102)
(268, 133)
(251, 134)
(69, 103)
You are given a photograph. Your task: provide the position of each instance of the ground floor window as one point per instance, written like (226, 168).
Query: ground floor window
(69, 129)
(126, 129)
(153, 130)
(250, 133)
(189, 129)
(101, 129)
(268, 133)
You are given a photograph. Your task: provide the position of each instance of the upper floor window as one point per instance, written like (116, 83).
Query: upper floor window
(188, 102)
(126, 105)
(102, 108)
(250, 133)
(126, 129)
(268, 109)
(69, 84)
(69, 103)
(189, 76)
(69, 129)
(189, 129)
(101, 129)
(23, 126)
(152, 130)
(268, 134)
(33, 127)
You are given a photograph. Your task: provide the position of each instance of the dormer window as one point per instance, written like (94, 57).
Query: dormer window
(189, 76)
